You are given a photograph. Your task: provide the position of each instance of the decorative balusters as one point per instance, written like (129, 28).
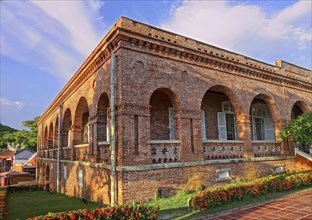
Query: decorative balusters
(217, 150)
(165, 152)
(104, 156)
(266, 149)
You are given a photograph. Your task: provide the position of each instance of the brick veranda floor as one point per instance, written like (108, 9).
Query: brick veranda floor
(295, 206)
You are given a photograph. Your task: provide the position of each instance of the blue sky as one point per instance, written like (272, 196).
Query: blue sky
(43, 43)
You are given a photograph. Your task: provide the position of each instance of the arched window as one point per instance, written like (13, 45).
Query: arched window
(103, 118)
(66, 131)
(218, 116)
(262, 127)
(81, 135)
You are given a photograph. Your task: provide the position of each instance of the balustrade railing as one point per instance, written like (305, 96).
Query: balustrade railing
(55, 153)
(165, 151)
(66, 153)
(40, 153)
(266, 148)
(51, 153)
(81, 152)
(45, 153)
(216, 149)
(104, 152)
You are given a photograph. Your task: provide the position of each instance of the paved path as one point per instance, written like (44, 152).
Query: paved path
(295, 206)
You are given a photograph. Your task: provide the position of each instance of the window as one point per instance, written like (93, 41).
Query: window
(224, 174)
(227, 107)
(203, 125)
(65, 172)
(261, 122)
(80, 178)
(68, 138)
(226, 122)
(279, 168)
(85, 128)
(171, 124)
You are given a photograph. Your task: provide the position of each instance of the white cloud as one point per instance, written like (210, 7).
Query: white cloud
(54, 36)
(11, 104)
(248, 29)
(95, 5)
(72, 15)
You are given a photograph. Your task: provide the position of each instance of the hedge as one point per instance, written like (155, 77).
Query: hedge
(23, 188)
(139, 212)
(236, 192)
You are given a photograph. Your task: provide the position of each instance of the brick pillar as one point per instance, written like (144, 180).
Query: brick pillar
(248, 151)
(74, 139)
(287, 147)
(191, 136)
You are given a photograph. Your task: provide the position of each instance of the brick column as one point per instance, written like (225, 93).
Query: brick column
(287, 147)
(191, 136)
(248, 151)
(76, 135)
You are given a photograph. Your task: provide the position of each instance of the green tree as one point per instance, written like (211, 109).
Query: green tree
(22, 139)
(299, 130)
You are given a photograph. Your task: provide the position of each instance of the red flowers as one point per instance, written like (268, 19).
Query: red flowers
(120, 212)
(234, 192)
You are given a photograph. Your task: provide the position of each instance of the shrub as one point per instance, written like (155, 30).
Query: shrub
(236, 192)
(120, 212)
(24, 188)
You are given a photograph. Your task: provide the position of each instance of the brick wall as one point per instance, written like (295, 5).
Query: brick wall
(142, 185)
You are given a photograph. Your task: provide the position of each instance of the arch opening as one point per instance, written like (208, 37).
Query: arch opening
(218, 115)
(66, 129)
(45, 145)
(81, 123)
(163, 125)
(262, 126)
(103, 118)
(50, 138)
(297, 110)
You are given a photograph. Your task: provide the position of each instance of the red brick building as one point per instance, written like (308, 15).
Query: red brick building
(150, 110)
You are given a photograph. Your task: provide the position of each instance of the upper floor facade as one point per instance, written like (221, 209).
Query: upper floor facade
(176, 100)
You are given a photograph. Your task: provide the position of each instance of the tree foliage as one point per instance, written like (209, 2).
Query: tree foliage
(6, 129)
(300, 129)
(21, 139)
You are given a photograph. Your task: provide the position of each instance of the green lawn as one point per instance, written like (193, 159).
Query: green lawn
(22, 205)
(175, 207)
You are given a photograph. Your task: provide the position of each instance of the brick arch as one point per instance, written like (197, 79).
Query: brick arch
(170, 93)
(66, 127)
(223, 92)
(300, 102)
(299, 105)
(270, 102)
(163, 124)
(81, 122)
(230, 93)
(102, 117)
(50, 137)
(45, 140)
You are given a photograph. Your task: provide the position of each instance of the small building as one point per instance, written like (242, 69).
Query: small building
(6, 160)
(13, 177)
(24, 161)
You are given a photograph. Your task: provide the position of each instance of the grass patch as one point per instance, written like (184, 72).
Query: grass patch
(22, 205)
(176, 207)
